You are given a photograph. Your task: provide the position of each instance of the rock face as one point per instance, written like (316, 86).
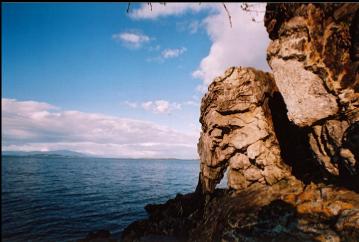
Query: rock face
(314, 58)
(288, 140)
(237, 132)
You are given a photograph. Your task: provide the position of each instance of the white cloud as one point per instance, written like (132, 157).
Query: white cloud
(131, 104)
(131, 38)
(147, 105)
(190, 25)
(159, 10)
(160, 106)
(242, 45)
(192, 103)
(154, 48)
(173, 53)
(194, 26)
(33, 125)
(167, 54)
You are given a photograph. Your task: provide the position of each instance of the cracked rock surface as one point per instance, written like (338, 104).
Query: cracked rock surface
(237, 132)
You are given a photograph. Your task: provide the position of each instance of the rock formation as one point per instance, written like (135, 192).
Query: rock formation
(288, 140)
(237, 132)
(314, 58)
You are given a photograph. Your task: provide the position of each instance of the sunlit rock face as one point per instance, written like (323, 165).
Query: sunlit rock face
(237, 132)
(314, 58)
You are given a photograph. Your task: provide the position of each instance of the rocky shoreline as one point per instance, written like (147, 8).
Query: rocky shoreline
(289, 140)
(286, 211)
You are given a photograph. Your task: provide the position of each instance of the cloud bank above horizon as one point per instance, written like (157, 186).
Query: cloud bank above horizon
(38, 126)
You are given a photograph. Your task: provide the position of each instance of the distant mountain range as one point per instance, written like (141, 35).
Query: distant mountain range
(57, 153)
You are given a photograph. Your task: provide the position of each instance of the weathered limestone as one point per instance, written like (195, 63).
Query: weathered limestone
(314, 58)
(305, 95)
(237, 132)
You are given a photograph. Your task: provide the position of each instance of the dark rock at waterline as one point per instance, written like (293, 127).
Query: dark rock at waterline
(99, 236)
(172, 220)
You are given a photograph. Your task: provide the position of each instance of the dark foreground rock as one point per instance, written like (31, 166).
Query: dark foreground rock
(286, 211)
(98, 236)
(173, 220)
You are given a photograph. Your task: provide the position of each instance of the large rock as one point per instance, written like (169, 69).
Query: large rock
(314, 56)
(237, 132)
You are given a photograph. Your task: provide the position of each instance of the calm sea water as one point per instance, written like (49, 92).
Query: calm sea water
(62, 199)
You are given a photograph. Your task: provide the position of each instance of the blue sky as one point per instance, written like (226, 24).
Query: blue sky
(72, 62)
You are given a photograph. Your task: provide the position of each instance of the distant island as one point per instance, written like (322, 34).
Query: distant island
(74, 154)
(54, 153)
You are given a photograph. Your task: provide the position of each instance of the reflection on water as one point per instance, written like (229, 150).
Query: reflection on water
(61, 199)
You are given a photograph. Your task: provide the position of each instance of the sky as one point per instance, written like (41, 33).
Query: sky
(92, 78)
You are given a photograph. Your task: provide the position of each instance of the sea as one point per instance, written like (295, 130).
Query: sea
(63, 199)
